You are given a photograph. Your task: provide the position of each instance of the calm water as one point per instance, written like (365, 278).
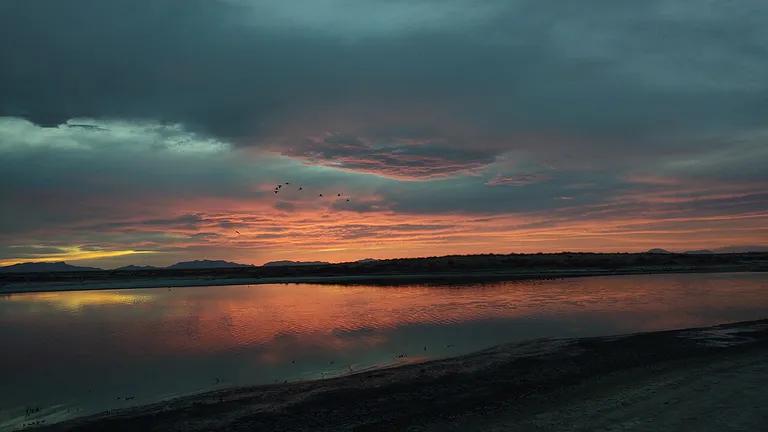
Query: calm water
(73, 353)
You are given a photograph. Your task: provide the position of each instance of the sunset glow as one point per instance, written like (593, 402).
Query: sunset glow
(421, 139)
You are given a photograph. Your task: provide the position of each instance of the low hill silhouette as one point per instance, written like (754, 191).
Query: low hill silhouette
(205, 264)
(659, 251)
(137, 267)
(293, 263)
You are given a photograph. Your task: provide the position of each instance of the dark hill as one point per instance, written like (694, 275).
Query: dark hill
(293, 263)
(135, 267)
(205, 264)
(35, 267)
(658, 251)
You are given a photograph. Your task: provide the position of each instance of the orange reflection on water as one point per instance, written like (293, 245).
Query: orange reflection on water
(211, 319)
(329, 313)
(76, 300)
(86, 348)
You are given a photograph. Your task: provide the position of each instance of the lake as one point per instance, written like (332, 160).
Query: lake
(66, 354)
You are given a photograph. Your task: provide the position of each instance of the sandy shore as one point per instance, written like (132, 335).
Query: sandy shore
(697, 379)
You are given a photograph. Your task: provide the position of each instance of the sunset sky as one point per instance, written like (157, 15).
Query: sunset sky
(151, 132)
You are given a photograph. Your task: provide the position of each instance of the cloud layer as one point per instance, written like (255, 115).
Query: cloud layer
(161, 125)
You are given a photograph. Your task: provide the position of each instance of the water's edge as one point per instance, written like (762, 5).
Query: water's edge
(384, 279)
(402, 395)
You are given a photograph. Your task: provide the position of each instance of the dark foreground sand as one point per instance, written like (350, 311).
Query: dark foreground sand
(710, 379)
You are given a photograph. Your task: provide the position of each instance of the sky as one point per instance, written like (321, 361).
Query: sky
(151, 132)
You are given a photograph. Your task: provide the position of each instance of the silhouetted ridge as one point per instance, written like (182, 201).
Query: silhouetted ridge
(206, 264)
(34, 267)
(136, 267)
(658, 251)
(293, 263)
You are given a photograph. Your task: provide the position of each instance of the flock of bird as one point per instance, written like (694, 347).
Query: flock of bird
(279, 189)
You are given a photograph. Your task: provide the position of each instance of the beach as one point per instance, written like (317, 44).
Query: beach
(709, 378)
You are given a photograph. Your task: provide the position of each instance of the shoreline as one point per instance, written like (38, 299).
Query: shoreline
(371, 279)
(544, 384)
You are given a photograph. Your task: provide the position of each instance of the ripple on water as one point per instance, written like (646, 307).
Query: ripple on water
(79, 352)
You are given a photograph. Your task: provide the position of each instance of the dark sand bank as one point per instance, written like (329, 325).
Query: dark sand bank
(448, 269)
(696, 379)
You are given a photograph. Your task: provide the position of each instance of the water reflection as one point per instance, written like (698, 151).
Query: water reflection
(77, 300)
(75, 352)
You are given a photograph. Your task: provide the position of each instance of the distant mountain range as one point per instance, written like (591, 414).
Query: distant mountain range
(206, 264)
(135, 267)
(366, 260)
(188, 265)
(286, 263)
(40, 267)
(658, 251)
(721, 250)
(33, 267)
(741, 249)
(36, 267)
(44, 267)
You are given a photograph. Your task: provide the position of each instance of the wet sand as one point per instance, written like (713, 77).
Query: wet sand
(697, 379)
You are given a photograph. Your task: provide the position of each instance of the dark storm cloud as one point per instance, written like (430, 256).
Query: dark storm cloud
(620, 79)
(398, 157)
(517, 179)
(28, 251)
(186, 221)
(474, 196)
(164, 124)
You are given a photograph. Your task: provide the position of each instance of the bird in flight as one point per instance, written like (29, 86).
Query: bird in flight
(279, 188)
